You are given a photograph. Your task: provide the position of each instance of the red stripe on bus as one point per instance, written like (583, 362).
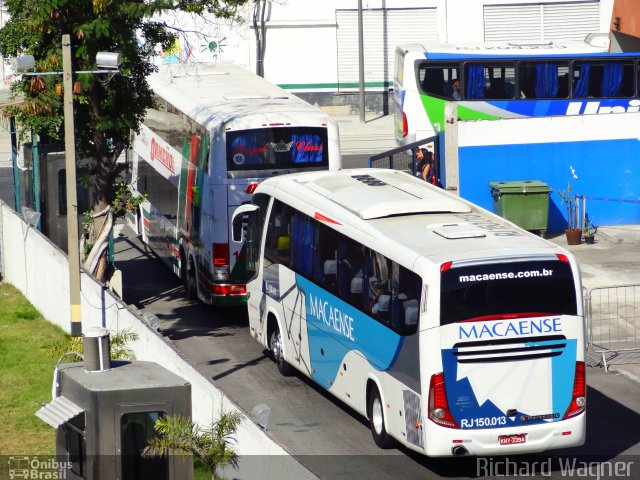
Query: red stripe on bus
(322, 218)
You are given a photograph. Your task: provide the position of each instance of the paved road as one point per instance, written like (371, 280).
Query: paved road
(329, 438)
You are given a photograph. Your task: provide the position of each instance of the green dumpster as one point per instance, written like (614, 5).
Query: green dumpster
(525, 203)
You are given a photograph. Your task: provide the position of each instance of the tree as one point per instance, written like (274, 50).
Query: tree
(211, 445)
(107, 109)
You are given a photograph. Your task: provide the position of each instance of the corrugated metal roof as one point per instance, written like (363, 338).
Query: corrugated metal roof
(59, 411)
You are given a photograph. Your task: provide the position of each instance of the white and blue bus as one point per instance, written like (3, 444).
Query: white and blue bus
(451, 329)
(509, 80)
(215, 133)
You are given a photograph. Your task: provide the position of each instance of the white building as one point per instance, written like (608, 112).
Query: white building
(311, 48)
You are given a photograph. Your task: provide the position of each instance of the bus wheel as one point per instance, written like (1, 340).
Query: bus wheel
(376, 420)
(189, 280)
(275, 345)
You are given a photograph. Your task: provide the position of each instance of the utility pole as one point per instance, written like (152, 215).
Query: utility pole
(72, 201)
(361, 60)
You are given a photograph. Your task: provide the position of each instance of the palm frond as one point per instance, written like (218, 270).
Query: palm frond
(212, 445)
(119, 346)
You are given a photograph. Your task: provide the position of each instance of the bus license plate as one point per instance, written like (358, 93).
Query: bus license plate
(512, 439)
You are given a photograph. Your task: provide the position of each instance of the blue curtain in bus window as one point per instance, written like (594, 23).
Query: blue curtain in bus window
(297, 236)
(581, 88)
(246, 151)
(546, 80)
(307, 247)
(307, 148)
(475, 81)
(611, 80)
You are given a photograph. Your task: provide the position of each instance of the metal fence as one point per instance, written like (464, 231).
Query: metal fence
(404, 158)
(614, 321)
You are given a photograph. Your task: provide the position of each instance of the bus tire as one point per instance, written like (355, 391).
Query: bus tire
(188, 279)
(376, 420)
(275, 346)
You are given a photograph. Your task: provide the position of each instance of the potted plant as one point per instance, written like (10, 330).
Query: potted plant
(589, 230)
(573, 233)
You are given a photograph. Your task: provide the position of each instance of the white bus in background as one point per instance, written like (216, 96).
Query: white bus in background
(451, 329)
(509, 80)
(217, 131)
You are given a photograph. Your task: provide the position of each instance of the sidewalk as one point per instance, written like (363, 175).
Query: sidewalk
(373, 136)
(613, 261)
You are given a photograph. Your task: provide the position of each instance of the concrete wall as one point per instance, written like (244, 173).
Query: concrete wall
(35, 266)
(597, 154)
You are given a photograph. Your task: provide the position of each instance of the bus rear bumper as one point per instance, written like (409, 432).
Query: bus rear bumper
(225, 293)
(480, 442)
(228, 300)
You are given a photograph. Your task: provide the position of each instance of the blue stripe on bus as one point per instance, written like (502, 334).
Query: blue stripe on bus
(555, 107)
(563, 368)
(335, 328)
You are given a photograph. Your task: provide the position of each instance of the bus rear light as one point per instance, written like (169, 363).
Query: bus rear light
(405, 125)
(229, 289)
(578, 398)
(220, 254)
(251, 188)
(438, 407)
(562, 257)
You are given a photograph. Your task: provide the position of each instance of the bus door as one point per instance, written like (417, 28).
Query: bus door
(287, 257)
(511, 343)
(238, 192)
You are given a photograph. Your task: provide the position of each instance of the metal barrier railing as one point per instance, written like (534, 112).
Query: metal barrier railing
(614, 320)
(403, 158)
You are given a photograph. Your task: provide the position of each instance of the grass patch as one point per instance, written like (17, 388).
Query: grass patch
(27, 342)
(26, 374)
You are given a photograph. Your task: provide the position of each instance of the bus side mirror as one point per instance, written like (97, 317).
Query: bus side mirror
(238, 221)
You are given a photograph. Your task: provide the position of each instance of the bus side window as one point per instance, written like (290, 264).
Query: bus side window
(404, 306)
(326, 262)
(351, 267)
(433, 82)
(278, 242)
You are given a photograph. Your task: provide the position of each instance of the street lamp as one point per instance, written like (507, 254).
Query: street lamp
(109, 63)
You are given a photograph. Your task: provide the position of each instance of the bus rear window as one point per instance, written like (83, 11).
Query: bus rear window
(507, 290)
(277, 148)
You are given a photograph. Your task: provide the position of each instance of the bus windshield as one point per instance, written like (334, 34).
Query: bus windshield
(277, 148)
(507, 290)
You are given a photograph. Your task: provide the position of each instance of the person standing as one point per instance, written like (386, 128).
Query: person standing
(424, 165)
